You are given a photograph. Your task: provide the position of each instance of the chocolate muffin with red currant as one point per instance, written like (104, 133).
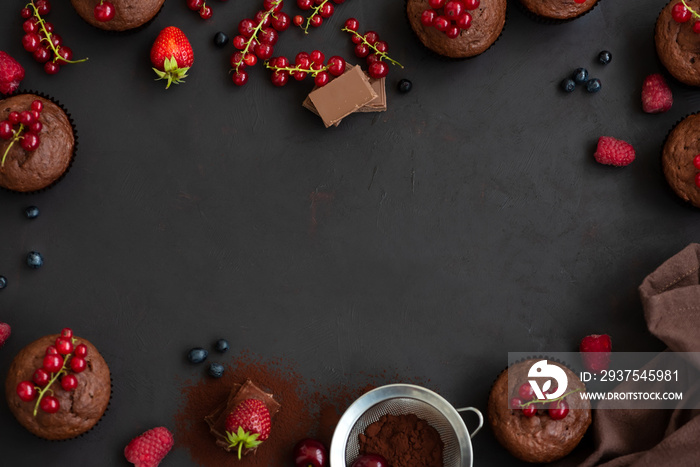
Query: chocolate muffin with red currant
(680, 159)
(37, 142)
(117, 15)
(558, 10)
(457, 28)
(536, 431)
(677, 40)
(59, 386)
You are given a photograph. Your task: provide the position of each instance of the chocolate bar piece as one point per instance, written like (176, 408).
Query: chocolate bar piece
(342, 96)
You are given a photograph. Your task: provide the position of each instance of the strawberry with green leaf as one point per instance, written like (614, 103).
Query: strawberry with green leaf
(171, 55)
(248, 425)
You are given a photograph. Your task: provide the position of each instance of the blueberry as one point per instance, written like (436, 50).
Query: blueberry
(221, 345)
(3, 282)
(604, 57)
(568, 85)
(580, 75)
(197, 355)
(35, 260)
(404, 85)
(593, 85)
(32, 212)
(216, 370)
(220, 39)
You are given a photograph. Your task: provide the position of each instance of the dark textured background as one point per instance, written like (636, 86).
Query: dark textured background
(466, 221)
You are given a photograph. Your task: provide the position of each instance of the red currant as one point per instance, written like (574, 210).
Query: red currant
(56, 40)
(36, 127)
(435, 4)
(52, 363)
(322, 79)
(30, 26)
(26, 117)
(26, 391)
(65, 54)
(452, 32)
(696, 161)
(336, 65)
(205, 12)
(316, 21)
(195, 5)
(81, 350)
(381, 46)
(474, 4)
(428, 17)
(302, 60)
(298, 20)
(326, 11)
(26, 13)
(262, 17)
(697, 180)
(42, 55)
(696, 27)
(239, 42)
(273, 5)
(453, 9)
(529, 410)
(64, 346)
(49, 404)
(6, 130)
(43, 7)
(464, 21)
(680, 13)
(362, 50)
(78, 364)
(268, 36)
(378, 70)
(317, 56)
(282, 62)
(237, 60)
(41, 377)
(525, 392)
(441, 23)
(352, 24)
(104, 11)
(371, 37)
(250, 59)
(31, 42)
(240, 77)
(356, 39)
(515, 403)
(299, 75)
(264, 51)
(246, 27)
(69, 382)
(51, 350)
(558, 410)
(281, 21)
(280, 77)
(51, 68)
(305, 4)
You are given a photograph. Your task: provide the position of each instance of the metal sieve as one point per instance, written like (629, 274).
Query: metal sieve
(404, 399)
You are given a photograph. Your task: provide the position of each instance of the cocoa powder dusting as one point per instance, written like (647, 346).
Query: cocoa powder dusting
(404, 441)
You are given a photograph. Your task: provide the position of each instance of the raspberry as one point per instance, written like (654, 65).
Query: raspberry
(11, 73)
(4, 333)
(595, 352)
(150, 448)
(656, 95)
(613, 151)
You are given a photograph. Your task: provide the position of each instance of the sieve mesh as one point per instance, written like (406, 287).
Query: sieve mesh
(404, 406)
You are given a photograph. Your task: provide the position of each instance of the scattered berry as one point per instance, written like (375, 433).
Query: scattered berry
(656, 95)
(172, 55)
(104, 11)
(35, 260)
(11, 73)
(5, 332)
(613, 151)
(310, 453)
(558, 410)
(31, 212)
(221, 345)
(593, 85)
(604, 57)
(220, 39)
(595, 352)
(404, 86)
(580, 75)
(197, 355)
(148, 449)
(3, 282)
(568, 85)
(248, 425)
(216, 370)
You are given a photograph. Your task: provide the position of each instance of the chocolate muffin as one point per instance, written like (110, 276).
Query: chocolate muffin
(539, 438)
(681, 147)
(28, 171)
(79, 409)
(128, 14)
(487, 23)
(677, 45)
(558, 9)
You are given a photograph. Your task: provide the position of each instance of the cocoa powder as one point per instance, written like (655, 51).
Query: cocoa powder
(404, 441)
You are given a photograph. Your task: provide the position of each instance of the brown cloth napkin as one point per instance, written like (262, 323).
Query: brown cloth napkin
(651, 438)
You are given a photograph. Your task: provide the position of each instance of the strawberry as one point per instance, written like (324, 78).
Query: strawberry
(613, 151)
(4, 333)
(150, 448)
(656, 95)
(248, 425)
(595, 352)
(11, 73)
(171, 55)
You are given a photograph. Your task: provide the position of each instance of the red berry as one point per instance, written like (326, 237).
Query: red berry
(381, 46)
(356, 39)
(613, 151)
(13, 117)
(656, 95)
(680, 13)
(441, 23)
(263, 51)
(26, 13)
(362, 50)
(81, 350)
(29, 142)
(281, 21)
(237, 60)
(464, 21)
(696, 161)
(298, 20)
(268, 36)
(38, 106)
(697, 180)
(322, 79)
(272, 5)
(529, 410)
(48, 26)
(474, 4)
(56, 40)
(36, 127)
(317, 56)
(305, 4)
(371, 58)
(64, 346)
(250, 59)
(378, 70)
(371, 37)
(316, 21)
(51, 68)
(66, 55)
(43, 7)
(205, 12)
(436, 4)
(452, 32)
(104, 11)
(239, 42)
(26, 391)
(30, 26)
(41, 54)
(326, 10)
(515, 403)
(69, 382)
(246, 27)
(352, 24)
(558, 410)
(299, 75)
(310, 453)
(41, 377)
(49, 404)
(5, 130)
(52, 363)
(31, 42)
(526, 392)
(195, 5)
(149, 449)
(453, 9)
(263, 17)
(240, 77)
(280, 77)
(696, 27)
(336, 65)
(282, 62)
(51, 350)
(302, 60)
(427, 17)
(78, 364)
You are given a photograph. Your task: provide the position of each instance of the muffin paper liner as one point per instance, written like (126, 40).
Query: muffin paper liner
(75, 138)
(671, 191)
(547, 20)
(445, 57)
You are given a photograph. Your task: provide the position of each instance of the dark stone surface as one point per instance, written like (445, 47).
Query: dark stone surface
(466, 221)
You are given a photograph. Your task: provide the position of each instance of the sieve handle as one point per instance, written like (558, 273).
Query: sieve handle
(478, 414)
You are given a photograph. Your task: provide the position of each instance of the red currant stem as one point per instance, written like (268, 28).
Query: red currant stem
(538, 401)
(291, 70)
(47, 36)
(53, 379)
(382, 55)
(255, 34)
(693, 12)
(17, 136)
(315, 11)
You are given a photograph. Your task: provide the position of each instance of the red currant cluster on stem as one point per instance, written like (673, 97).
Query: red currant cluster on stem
(40, 40)
(306, 64)
(104, 11)
(529, 405)
(369, 46)
(682, 13)
(256, 38)
(449, 16)
(60, 360)
(205, 11)
(28, 131)
(320, 10)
